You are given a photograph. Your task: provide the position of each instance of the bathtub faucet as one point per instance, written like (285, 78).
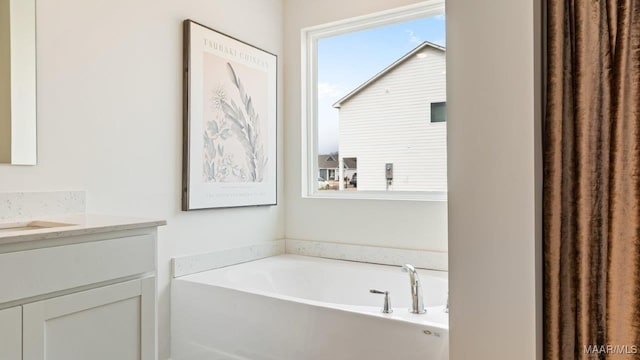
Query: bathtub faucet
(417, 306)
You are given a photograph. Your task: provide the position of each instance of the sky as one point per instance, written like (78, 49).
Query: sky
(346, 61)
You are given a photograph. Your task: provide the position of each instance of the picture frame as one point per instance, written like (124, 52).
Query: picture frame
(229, 122)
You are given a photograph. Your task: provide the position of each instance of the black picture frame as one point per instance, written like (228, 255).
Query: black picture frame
(229, 121)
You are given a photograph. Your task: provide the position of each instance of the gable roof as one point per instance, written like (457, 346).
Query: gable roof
(331, 162)
(388, 69)
(327, 161)
(350, 163)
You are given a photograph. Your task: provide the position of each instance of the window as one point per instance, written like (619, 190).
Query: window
(438, 112)
(364, 88)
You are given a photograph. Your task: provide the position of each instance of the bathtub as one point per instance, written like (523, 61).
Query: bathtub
(291, 307)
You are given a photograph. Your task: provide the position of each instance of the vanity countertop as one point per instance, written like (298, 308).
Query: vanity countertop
(78, 224)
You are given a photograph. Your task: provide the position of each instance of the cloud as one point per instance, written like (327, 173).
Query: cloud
(413, 38)
(327, 91)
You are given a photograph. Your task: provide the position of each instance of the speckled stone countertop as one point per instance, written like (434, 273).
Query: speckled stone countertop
(78, 224)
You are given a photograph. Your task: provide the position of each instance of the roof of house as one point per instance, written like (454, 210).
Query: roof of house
(331, 162)
(350, 163)
(327, 161)
(388, 69)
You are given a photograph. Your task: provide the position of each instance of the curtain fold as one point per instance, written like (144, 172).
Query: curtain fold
(591, 142)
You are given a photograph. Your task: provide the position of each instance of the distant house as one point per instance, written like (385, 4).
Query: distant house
(329, 167)
(398, 117)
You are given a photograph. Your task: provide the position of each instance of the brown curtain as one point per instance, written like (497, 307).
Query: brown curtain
(591, 137)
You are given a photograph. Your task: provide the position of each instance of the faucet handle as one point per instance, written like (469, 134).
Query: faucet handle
(386, 309)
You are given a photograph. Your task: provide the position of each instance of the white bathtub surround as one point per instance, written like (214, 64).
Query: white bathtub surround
(27, 205)
(433, 260)
(292, 307)
(192, 264)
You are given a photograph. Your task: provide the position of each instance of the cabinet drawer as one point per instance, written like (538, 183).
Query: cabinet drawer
(41, 271)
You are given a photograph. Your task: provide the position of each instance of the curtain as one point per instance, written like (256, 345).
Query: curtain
(591, 142)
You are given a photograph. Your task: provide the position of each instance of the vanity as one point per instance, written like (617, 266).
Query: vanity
(78, 287)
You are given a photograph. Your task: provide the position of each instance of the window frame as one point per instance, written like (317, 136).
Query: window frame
(309, 98)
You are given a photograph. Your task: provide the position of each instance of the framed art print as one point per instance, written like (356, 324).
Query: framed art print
(229, 124)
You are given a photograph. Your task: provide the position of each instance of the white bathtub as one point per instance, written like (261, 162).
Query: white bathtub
(292, 307)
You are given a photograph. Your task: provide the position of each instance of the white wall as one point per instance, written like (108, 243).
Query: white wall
(494, 201)
(110, 118)
(401, 224)
(389, 121)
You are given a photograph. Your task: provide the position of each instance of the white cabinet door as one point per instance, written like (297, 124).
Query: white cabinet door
(111, 322)
(11, 333)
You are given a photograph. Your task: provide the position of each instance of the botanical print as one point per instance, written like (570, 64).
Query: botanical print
(230, 122)
(234, 131)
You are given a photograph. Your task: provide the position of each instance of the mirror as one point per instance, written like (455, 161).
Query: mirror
(18, 82)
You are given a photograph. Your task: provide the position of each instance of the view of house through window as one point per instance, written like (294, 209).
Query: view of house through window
(381, 118)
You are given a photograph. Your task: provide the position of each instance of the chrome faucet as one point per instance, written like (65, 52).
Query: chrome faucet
(417, 306)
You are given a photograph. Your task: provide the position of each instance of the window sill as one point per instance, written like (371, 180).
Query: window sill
(423, 196)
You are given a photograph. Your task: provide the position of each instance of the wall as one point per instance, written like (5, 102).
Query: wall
(494, 178)
(401, 224)
(493, 174)
(110, 118)
(390, 122)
